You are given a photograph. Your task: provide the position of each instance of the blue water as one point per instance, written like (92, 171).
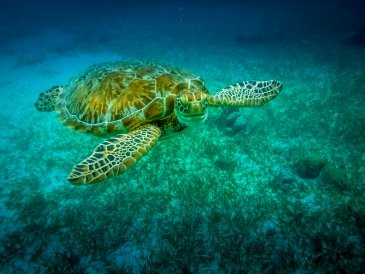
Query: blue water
(275, 189)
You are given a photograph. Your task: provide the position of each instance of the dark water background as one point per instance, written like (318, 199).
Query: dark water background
(277, 189)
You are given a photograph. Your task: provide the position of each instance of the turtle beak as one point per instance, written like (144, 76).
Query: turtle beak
(193, 119)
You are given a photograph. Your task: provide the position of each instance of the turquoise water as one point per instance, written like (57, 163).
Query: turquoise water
(275, 189)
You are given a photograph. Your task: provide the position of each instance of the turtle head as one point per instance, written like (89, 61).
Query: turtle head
(191, 107)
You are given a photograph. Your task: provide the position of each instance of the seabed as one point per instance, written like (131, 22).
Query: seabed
(275, 189)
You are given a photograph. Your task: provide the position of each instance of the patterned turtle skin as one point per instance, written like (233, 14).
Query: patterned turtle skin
(137, 103)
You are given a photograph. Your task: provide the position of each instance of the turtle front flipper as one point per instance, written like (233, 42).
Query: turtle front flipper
(47, 100)
(115, 155)
(248, 93)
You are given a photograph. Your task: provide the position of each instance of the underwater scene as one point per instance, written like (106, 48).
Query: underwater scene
(215, 137)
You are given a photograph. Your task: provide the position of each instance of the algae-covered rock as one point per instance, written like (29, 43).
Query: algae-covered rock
(231, 118)
(234, 123)
(239, 124)
(310, 166)
(334, 177)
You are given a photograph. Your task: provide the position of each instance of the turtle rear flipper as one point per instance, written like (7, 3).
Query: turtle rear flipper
(115, 155)
(247, 94)
(47, 100)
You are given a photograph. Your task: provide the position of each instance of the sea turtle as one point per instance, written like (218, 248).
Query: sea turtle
(138, 103)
